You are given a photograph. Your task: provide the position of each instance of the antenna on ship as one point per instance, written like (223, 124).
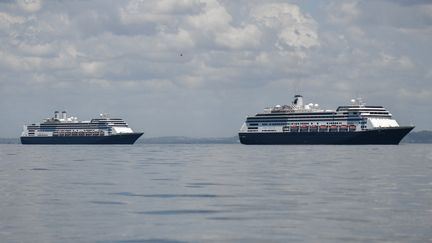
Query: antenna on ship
(296, 88)
(104, 115)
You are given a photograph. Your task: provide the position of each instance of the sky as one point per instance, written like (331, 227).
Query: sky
(197, 68)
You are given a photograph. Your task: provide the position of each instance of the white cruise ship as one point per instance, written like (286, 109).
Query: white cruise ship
(298, 123)
(62, 129)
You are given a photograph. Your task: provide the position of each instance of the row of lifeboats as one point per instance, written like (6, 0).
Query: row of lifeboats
(80, 133)
(320, 128)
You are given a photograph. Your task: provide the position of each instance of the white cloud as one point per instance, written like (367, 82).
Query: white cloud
(233, 57)
(214, 23)
(30, 5)
(8, 20)
(143, 11)
(214, 17)
(238, 38)
(293, 28)
(38, 49)
(140, 12)
(343, 12)
(387, 60)
(182, 39)
(9, 61)
(94, 69)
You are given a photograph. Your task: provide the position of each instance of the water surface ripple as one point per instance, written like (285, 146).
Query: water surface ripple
(215, 193)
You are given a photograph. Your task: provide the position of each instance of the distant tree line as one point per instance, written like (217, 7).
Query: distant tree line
(418, 137)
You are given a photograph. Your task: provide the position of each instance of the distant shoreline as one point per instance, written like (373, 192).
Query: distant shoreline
(413, 137)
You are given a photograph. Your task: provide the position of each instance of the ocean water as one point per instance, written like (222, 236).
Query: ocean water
(215, 193)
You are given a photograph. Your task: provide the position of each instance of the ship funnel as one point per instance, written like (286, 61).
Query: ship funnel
(56, 115)
(298, 100)
(64, 115)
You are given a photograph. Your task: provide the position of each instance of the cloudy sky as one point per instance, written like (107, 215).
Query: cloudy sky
(198, 67)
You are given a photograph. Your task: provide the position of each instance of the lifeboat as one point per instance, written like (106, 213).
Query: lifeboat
(323, 128)
(294, 128)
(304, 128)
(333, 128)
(313, 128)
(343, 128)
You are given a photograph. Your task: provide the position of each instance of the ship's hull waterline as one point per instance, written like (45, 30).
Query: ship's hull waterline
(391, 135)
(128, 138)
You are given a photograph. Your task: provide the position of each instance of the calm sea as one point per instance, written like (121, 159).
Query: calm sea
(215, 193)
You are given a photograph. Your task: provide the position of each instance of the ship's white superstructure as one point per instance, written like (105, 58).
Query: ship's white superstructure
(63, 126)
(300, 117)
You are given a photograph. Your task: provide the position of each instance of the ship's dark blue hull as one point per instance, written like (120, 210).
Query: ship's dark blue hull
(129, 138)
(391, 135)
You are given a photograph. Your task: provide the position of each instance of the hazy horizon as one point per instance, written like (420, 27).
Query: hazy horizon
(197, 68)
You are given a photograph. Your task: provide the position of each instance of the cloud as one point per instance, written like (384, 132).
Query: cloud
(343, 13)
(94, 69)
(410, 2)
(214, 23)
(238, 38)
(30, 5)
(293, 28)
(7, 20)
(395, 62)
(9, 61)
(207, 59)
(142, 11)
(40, 49)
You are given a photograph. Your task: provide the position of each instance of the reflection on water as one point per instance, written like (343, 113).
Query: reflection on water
(215, 193)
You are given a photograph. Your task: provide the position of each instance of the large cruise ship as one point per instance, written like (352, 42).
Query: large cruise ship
(298, 123)
(62, 129)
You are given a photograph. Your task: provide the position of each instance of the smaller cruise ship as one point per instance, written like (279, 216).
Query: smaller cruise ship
(62, 129)
(297, 123)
